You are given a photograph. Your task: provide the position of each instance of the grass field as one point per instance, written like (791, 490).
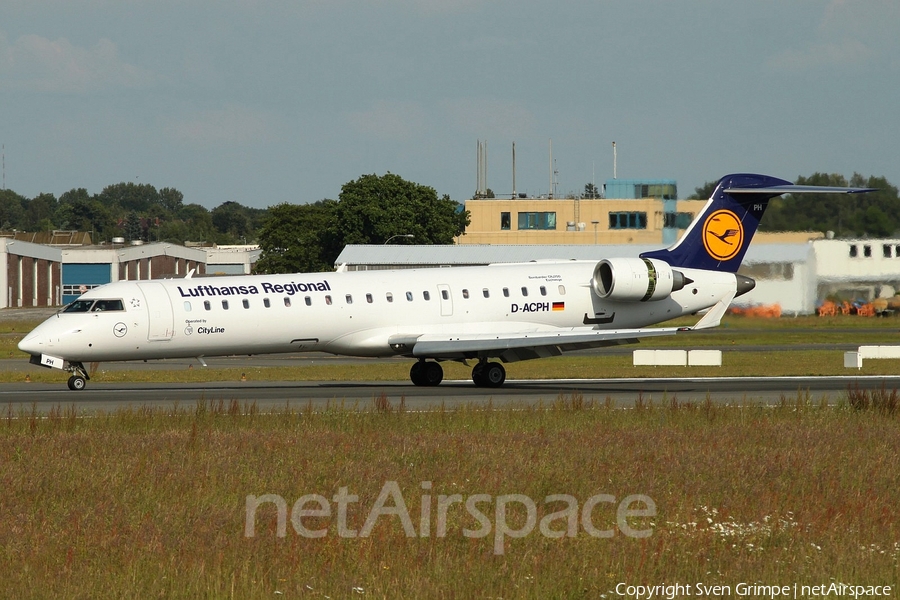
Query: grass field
(154, 503)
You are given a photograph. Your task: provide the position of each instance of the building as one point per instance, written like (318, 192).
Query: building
(86, 267)
(60, 269)
(634, 211)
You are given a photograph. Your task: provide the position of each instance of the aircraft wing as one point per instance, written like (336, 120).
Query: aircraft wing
(512, 347)
(516, 346)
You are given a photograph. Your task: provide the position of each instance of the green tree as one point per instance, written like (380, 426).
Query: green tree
(704, 191)
(591, 191)
(296, 238)
(40, 212)
(170, 199)
(372, 209)
(131, 227)
(233, 221)
(876, 214)
(12, 210)
(129, 196)
(79, 211)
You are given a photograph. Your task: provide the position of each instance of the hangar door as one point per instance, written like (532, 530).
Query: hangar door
(77, 278)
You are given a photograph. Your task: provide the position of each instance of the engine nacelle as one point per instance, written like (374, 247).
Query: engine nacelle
(635, 279)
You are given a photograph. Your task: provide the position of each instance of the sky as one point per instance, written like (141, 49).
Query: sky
(285, 101)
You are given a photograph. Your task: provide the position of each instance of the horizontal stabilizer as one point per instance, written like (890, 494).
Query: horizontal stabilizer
(798, 189)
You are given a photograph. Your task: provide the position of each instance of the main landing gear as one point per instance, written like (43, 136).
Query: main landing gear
(426, 373)
(488, 374)
(484, 374)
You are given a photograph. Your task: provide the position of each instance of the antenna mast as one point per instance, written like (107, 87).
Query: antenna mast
(514, 170)
(615, 160)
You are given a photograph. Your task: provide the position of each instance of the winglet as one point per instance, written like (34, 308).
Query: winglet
(714, 315)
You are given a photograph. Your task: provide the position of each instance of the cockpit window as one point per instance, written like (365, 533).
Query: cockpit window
(79, 306)
(107, 306)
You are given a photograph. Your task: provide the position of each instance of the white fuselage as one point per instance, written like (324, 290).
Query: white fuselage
(350, 313)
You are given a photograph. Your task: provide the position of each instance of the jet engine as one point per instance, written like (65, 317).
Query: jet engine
(636, 279)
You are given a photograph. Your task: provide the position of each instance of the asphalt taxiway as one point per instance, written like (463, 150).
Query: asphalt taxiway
(275, 395)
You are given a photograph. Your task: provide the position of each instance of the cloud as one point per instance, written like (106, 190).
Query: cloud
(850, 33)
(231, 125)
(37, 64)
(486, 117)
(843, 53)
(402, 121)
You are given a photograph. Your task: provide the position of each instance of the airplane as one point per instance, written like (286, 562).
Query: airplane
(506, 312)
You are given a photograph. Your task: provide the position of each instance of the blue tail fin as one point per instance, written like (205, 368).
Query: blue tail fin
(718, 238)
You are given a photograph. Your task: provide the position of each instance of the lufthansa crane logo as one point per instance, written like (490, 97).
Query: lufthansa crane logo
(723, 235)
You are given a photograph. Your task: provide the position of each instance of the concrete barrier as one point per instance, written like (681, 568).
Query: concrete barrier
(677, 358)
(855, 359)
(705, 358)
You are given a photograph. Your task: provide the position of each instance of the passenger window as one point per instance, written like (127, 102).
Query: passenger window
(389, 296)
(543, 291)
(369, 298)
(409, 296)
(246, 303)
(328, 300)
(187, 306)
(562, 290)
(465, 294)
(426, 295)
(486, 292)
(225, 304)
(266, 303)
(308, 301)
(349, 299)
(287, 301)
(506, 292)
(524, 291)
(206, 305)
(445, 294)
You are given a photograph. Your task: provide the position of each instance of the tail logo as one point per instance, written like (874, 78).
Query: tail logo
(723, 235)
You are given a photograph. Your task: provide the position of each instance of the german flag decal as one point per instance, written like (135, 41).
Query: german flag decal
(559, 306)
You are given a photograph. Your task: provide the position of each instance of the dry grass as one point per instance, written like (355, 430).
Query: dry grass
(149, 503)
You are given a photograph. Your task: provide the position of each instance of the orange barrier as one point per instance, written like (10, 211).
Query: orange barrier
(772, 311)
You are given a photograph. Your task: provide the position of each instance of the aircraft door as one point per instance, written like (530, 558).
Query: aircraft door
(161, 318)
(446, 300)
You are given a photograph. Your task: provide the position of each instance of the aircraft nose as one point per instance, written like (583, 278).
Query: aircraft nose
(31, 344)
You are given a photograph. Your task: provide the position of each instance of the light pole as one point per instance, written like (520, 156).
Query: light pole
(595, 223)
(408, 236)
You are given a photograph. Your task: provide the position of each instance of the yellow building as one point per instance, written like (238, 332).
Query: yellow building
(643, 212)
(577, 221)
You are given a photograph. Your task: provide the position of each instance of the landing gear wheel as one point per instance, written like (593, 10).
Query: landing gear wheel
(494, 375)
(478, 375)
(77, 382)
(488, 374)
(417, 373)
(426, 373)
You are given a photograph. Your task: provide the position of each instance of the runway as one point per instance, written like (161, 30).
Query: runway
(274, 395)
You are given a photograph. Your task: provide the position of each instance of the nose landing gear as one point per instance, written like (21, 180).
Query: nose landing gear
(77, 382)
(79, 378)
